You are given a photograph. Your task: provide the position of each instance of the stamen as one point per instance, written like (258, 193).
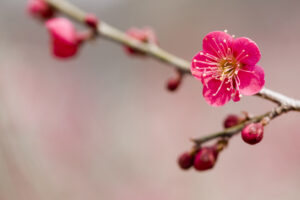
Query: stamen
(237, 83)
(243, 51)
(229, 51)
(252, 72)
(205, 73)
(219, 88)
(203, 62)
(240, 59)
(212, 57)
(219, 49)
(215, 50)
(224, 49)
(237, 80)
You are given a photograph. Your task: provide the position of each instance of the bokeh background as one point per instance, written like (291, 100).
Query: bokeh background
(102, 126)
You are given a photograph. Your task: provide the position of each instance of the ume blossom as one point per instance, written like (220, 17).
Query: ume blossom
(228, 68)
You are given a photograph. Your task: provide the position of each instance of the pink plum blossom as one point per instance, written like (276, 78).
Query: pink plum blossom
(65, 40)
(228, 68)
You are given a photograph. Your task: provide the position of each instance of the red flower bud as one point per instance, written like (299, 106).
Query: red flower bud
(186, 160)
(231, 120)
(65, 40)
(206, 158)
(145, 35)
(253, 133)
(40, 8)
(91, 20)
(173, 84)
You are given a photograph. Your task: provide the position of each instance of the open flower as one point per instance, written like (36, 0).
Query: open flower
(65, 40)
(227, 68)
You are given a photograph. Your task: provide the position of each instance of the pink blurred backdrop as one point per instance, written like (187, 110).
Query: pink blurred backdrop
(102, 126)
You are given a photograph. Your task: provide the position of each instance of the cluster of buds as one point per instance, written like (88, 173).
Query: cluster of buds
(66, 41)
(202, 158)
(252, 133)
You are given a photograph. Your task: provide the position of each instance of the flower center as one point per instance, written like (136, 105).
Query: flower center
(228, 67)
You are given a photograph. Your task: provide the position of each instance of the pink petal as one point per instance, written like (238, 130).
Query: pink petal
(64, 38)
(62, 49)
(246, 51)
(221, 97)
(63, 29)
(217, 43)
(236, 96)
(201, 61)
(252, 79)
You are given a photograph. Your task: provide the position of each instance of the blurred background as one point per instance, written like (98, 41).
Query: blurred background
(102, 126)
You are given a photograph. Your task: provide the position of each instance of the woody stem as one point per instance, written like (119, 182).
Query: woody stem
(285, 104)
(109, 32)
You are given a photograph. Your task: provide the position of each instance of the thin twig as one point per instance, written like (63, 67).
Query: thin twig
(229, 132)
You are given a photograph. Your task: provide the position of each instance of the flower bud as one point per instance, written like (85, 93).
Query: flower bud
(65, 40)
(40, 8)
(145, 35)
(173, 84)
(253, 133)
(206, 158)
(186, 160)
(91, 20)
(231, 120)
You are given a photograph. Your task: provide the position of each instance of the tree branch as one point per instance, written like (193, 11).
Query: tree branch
(285, 104)
(229, 132)
(153, 50)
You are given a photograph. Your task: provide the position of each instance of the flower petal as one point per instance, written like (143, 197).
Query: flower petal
(236, 96)
(217, 43)
(64, 38)
(246, 51)
(63, 49)
(63, 29)
(202, 64)
(215, 94)
(252, 79)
